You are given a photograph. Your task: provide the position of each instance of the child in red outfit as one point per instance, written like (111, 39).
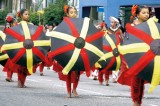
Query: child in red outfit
(72, 76)
(137, 85)
(22, 71)
(12, 22)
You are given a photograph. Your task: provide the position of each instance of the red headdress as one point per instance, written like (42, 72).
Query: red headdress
(65, 8)
(133, 11)
(9, 19)
(18, 14)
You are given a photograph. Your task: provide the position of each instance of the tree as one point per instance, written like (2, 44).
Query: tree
(3, 14)
(34, 18)
(55, 12)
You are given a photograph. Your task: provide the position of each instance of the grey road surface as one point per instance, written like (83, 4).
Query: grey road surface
(48, 90)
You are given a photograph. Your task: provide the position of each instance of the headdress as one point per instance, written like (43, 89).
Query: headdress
(9, 19)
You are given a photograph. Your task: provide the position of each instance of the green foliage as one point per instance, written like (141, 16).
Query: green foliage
(3, 14)
(54, 13)
(35, 18)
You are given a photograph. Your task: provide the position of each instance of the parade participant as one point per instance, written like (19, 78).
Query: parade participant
(104, 72)
(24, 15)
(115, 28)
(22, 71)
(72, 13)
(12, 22)
(137, 84)
(73, 76)
(43, 64)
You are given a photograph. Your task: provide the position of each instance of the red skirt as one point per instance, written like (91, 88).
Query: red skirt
(58, 68)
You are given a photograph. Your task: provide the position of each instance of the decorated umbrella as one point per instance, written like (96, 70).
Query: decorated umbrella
(141, 52)
(3, 55)
(26, 45)
(76, 44)
(112, 58)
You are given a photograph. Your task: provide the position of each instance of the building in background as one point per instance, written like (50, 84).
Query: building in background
(91, 8)
(14, 5)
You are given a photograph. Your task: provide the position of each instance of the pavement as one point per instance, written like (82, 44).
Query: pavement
(48, 90)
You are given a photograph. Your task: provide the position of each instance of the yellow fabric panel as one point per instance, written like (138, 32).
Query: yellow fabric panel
(93, 49)
(42, 43)
(107, 37)
(153, 29)
(106, 56)
(156, 74)
(97, 65)
(118, 60)
(3, 35)
(85, 27)
(25, 30)
(4, 57)
(29, 56)
(133, 48)
(62, 36)
(72, 61)
(12, 46)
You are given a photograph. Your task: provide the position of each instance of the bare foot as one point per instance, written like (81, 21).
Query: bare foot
(107, 84)
(100, 83)
(9, 80)
(75, 93)
(95, 78)
(136, 104)
(68, 95)
(114, 80)
(20, 85)
(41, 74)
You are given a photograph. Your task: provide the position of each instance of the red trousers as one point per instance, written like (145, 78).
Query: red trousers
(41, 67)
(9, 74)
(137, 89)
(101, 73)
(22, 74)
(75, 80)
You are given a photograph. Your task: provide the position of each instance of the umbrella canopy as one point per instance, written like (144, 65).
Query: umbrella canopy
(3, 56)
(111, 59)
(76, 44)
(142, 52)
(26, 45)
